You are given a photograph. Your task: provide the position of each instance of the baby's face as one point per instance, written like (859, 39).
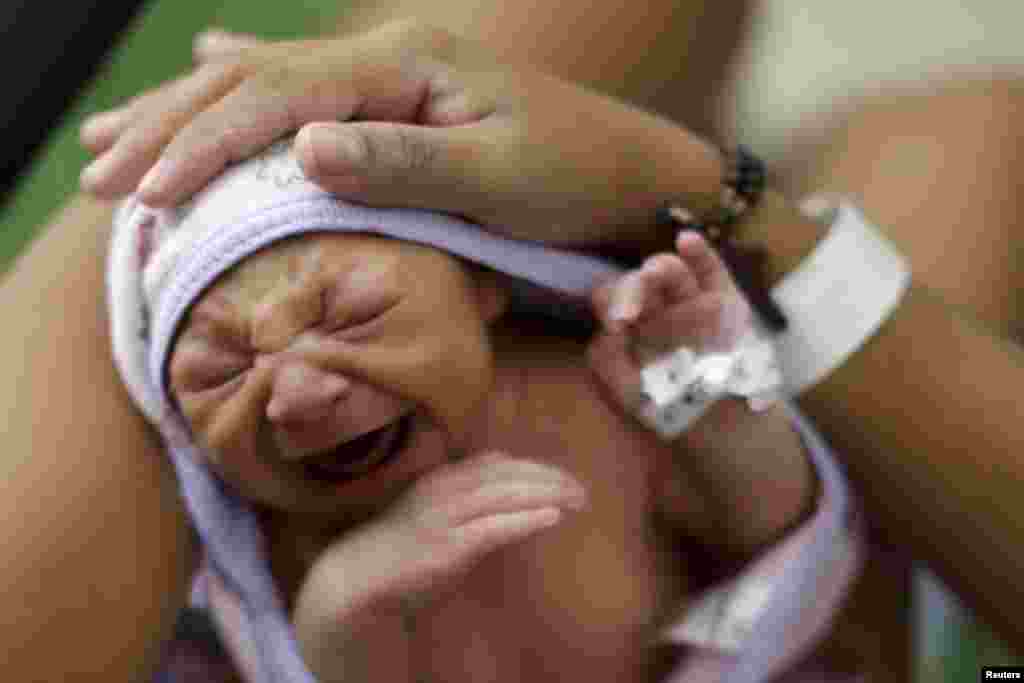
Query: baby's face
(325, 372)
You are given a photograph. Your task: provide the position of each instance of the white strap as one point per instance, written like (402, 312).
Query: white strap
(838, 297)
(683, 385)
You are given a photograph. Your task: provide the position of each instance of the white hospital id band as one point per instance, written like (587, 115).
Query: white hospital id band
(681, 386)
(838, 297)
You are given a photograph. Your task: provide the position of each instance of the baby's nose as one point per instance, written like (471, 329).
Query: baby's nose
(302, 392)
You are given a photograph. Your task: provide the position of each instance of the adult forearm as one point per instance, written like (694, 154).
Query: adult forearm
(925, 417)
(93, 547)
(665, 55)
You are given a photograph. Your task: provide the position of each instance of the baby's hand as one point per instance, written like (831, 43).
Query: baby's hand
(354, 605)
(685, 299)
(752, 477)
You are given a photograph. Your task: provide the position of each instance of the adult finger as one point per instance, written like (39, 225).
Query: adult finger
(140, 136)
(101, 130)
(393, 164)
(276, 99)
(215, 43)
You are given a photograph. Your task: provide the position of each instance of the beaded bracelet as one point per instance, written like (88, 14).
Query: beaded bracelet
(742, 187)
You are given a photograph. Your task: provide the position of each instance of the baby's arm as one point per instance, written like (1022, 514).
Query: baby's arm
(749, 470)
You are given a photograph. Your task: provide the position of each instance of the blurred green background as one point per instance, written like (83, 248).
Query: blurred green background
(157, 47)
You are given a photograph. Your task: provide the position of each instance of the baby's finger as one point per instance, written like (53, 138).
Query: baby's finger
(611, 359)
(671, 277)
(663, 280)
(448, 519)
(484, 534)
(695, 323)
(709, 269)
(601, 301)
(456, 479)
(623, 301)
(511, 495)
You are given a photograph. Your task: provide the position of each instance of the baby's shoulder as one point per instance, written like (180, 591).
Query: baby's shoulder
(547, 397)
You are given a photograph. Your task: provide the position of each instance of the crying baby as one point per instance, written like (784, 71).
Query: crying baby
(401, 470)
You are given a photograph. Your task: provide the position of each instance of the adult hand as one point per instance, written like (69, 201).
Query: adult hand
(410, 115)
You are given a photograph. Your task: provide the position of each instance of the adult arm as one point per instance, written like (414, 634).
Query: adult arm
(926, 418)
(96, 535)
(669, 56)
(540, 160)
(93, 544)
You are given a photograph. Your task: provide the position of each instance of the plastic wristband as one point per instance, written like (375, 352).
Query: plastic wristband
(838, 297)
(681, 386)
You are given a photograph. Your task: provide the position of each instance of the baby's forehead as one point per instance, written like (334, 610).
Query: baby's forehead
(313, 259)
(281, 262)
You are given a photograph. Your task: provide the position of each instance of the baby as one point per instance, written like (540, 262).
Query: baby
(401, 478)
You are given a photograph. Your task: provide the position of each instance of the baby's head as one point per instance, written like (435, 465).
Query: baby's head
(301, 341)
(327, 370)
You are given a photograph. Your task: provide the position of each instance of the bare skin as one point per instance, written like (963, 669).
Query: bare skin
(419, 525)
(73, 247)
(71, 498)
(670, 161)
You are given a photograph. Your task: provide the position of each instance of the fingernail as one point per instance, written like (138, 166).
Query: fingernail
(622, 310)
(97, 173)
(212, 36)
(154, 180)
(548, 517)
(334, 152)
(274, 410)
(625, 306)
(97, 125)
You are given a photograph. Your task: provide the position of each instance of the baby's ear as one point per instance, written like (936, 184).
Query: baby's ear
(491, 294)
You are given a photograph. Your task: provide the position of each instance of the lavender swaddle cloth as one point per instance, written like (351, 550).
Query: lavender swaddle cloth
(162, 260)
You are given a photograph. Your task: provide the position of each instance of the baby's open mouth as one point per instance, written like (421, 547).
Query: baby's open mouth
(361, 455)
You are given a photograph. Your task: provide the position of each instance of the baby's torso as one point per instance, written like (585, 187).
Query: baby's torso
(586, 599)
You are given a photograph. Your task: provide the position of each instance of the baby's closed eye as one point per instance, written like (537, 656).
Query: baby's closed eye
(199, 366)
(343, 312)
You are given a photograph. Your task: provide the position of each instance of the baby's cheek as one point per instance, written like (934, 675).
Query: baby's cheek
(459, 379)
(241, 464)
(227, 419)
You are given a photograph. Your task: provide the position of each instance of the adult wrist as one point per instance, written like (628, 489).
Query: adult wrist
(691, 171)
(782, 232)
(834, 278)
